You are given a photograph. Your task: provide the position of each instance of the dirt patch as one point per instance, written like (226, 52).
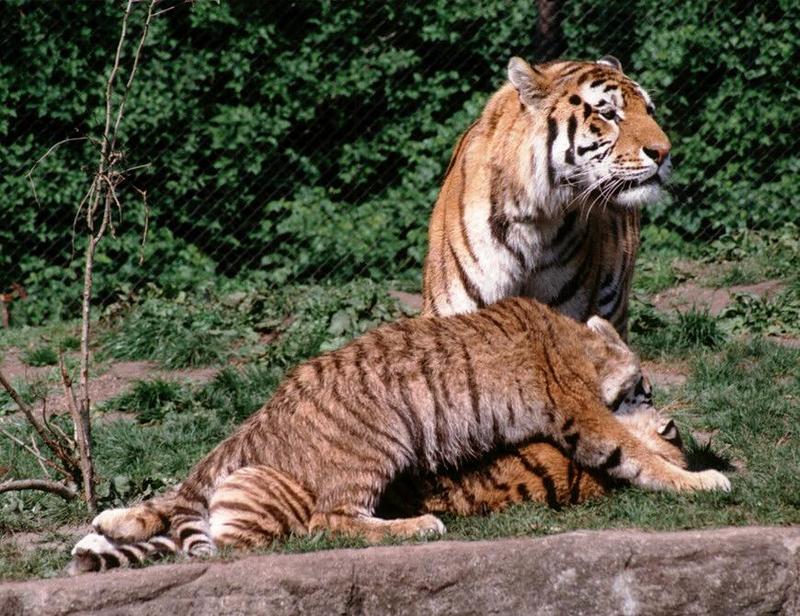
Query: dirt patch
(666, 375)
(786, 341)
(689, 294)
(14, 368)
(412, 301)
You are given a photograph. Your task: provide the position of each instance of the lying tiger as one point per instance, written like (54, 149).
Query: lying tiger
(539, 471)
(416, 395)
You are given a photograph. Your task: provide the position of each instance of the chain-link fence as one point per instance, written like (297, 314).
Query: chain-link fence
(305, 141)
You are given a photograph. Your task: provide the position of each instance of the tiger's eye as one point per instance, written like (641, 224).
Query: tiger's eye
(609, 114)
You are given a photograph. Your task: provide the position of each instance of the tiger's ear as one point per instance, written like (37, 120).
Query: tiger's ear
(668, 430)
(606, 330)
(529, 81)
(612, 62)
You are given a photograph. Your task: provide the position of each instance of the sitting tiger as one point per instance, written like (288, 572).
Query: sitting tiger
(541, 199)
(416, 395)
(542, 192)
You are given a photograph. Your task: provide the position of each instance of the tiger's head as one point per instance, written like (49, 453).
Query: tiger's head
(599, 141)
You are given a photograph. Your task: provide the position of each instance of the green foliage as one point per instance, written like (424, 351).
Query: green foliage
(40, 356)
(754, 314)
(308, 142)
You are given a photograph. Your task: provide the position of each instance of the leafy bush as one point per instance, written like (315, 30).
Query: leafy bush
(308, 141)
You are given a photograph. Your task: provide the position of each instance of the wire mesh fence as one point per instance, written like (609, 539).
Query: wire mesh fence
(305, 141)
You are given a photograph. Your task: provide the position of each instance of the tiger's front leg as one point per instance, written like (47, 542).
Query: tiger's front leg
(597, 440)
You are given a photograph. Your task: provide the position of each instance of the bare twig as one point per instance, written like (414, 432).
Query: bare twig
(69, 394)
(61, 449)
(44, 485)
(105, 186)
(39, 457)
(96, 207)
(23, 406)
(134, 66)
(35, 452)
(143, 194)
(52, 148)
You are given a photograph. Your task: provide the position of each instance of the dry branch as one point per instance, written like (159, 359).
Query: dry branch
(44, 485)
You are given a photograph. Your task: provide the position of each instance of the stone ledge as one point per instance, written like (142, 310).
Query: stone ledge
(752, 570)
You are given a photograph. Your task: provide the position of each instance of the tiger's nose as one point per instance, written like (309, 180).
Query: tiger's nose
(657, 151)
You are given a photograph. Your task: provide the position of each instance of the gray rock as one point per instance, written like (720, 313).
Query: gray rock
(726, 571)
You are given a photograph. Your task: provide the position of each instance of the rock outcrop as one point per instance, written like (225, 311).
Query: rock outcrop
(725, 571)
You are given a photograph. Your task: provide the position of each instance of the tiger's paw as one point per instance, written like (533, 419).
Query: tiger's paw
(708, 480)
(85, 554)
(429, 526)
(713, 480)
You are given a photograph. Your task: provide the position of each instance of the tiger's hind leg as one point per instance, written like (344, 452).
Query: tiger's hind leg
(170, 515)
(353, 522)
(257, 504)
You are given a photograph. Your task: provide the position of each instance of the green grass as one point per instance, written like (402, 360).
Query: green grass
(744, 392)
(177, 333)
(656, 335)
(39, 562)
(62, 333)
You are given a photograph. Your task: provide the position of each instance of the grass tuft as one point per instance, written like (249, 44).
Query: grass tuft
(177, 334)
(696, 328)
(150, 401)
(40, 356)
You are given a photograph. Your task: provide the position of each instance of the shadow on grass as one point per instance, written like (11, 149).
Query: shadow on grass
(702, 457)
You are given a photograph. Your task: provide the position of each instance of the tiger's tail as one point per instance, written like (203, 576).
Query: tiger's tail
(97, 553)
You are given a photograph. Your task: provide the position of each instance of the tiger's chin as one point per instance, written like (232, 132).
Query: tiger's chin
(638, 195)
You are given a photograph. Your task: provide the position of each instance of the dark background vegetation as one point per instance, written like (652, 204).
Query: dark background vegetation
(305, 141)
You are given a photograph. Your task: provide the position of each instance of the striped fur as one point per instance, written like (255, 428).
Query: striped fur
(541, 472)
(416, 395)
(542, 192)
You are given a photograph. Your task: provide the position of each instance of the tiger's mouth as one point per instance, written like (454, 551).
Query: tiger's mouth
(653, 180)
(636, 193)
